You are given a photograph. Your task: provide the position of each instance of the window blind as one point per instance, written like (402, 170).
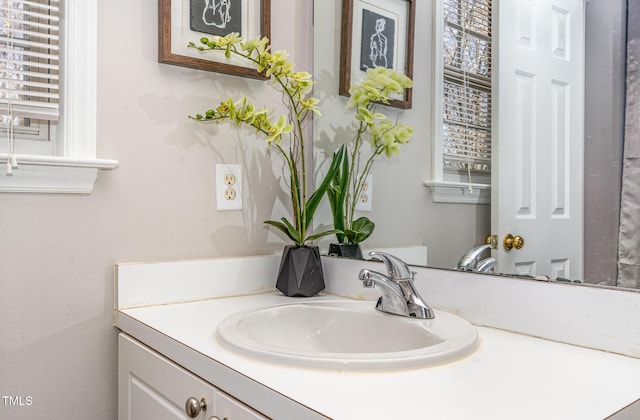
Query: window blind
(466, 124)
(29, 62)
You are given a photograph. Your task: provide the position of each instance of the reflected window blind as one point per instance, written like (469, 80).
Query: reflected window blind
(466, 124)
(29, 64)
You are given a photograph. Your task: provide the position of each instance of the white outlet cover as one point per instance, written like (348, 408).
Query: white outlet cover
(365, 201)
(222, 202)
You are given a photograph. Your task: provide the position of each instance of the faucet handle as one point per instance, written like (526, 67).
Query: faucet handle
(396, 268)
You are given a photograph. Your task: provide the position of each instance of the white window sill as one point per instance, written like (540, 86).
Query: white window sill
(53, 174)
(459, 192)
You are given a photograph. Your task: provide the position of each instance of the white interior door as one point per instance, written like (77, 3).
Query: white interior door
(537, 168)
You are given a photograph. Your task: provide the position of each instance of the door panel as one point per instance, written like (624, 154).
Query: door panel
(537, 180)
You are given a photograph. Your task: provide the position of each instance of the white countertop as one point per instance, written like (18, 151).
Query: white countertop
(511, 376)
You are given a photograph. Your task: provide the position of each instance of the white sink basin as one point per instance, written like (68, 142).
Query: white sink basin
(347, 335)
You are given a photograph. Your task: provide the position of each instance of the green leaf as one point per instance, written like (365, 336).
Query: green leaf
(321, 234)
(337, 192)
(316, 197)
(361, 229)
(284, 228)
(295, 234)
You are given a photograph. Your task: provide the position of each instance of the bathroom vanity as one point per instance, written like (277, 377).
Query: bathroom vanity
(168, 313)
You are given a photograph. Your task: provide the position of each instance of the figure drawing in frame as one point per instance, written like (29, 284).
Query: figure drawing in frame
(378, 41)
(216, 17)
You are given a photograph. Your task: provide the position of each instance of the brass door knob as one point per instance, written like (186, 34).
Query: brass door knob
(509, 242)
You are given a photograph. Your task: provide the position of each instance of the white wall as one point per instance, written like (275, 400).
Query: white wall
(57, 252)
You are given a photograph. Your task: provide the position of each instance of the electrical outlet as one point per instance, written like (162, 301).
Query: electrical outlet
(228, 187)
(365, 200)
(229, 179)
(230, 194)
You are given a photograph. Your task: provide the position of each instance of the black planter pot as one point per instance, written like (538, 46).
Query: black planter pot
(346, 251)
(300, 272)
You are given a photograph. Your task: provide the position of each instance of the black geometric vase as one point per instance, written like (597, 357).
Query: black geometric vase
(346, 251)
(300, 271)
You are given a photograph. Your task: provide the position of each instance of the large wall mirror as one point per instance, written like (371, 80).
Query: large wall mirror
(593, 35)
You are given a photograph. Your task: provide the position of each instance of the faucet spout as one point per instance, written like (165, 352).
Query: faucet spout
(470, 259)
(486, 265)
(396, 268)
(389, 287)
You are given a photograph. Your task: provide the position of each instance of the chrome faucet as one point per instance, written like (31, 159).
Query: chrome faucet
(471, 259)
(486, 265)
(399, 295)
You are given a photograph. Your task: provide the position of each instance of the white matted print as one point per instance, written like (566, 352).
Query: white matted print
(184, 21)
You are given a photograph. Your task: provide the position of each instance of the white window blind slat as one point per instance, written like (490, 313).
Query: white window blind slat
(33, 74)
(30, 54)
(20, 34)
(452, 123)
(32, 95)
(35, 26)
(34, 15)
(26, 43)
(474, 80)
(47, 5)
(25, 64)
(43, 111)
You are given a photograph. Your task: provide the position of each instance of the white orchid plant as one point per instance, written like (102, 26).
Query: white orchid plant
(375, 135)
(284, 132)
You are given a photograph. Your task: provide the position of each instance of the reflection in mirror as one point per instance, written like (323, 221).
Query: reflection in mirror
(407, 220)
(539, 140)
(565, 197)
(404, 211)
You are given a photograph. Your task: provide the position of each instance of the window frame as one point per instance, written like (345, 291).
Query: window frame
(72, 166)
(444, 187)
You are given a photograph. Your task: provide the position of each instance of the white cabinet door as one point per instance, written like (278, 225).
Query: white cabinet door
(151, 387)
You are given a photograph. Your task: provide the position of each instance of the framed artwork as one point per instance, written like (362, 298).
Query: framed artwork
(182, 21)
(377, 33)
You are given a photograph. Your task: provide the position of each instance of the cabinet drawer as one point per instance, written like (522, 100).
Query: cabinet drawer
(229, 408)
(152, 387)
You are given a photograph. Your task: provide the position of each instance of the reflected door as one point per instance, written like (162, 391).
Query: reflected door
(537, 179)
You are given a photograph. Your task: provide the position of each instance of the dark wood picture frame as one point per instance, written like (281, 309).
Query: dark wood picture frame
(166, 56)
(347, 53)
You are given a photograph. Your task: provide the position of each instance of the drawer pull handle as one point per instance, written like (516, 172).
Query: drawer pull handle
(193, 407)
